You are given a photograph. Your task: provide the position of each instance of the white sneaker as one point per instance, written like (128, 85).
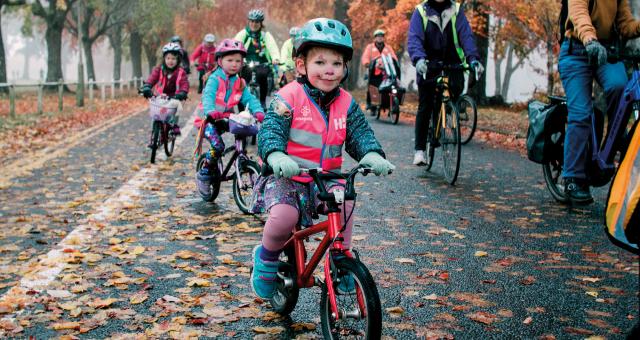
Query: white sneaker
(418, 158)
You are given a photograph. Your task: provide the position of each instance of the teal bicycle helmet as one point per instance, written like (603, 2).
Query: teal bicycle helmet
(324, 32)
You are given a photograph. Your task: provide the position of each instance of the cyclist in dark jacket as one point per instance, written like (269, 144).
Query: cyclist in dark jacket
(438, 32)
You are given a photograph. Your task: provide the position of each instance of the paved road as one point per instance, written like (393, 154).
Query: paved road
(492, 257)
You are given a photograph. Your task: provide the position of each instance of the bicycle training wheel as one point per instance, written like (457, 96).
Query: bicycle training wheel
(359, 308)
(215, 181)
(285, 297)
(450, 141)
(468, 118)
(169, 140)
(395, 109)
(155, 135)
(243, 186)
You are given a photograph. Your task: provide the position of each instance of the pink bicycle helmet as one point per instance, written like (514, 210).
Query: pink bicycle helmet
(228, 46)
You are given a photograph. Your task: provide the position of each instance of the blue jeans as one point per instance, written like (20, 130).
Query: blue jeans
(577, 78)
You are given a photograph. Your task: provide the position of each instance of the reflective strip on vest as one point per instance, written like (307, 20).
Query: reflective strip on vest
(456, 43)
(315, 141)
(159, 88)
(234, 98)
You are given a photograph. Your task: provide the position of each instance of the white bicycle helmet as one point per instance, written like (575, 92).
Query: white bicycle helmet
(255, 15)
(171, 48)
(209, 38)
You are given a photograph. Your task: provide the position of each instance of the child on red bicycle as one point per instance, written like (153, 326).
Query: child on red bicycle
(223, 91)
(168, 79)
(308, 123)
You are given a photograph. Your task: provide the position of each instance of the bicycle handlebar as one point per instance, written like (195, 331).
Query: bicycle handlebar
(320, 176)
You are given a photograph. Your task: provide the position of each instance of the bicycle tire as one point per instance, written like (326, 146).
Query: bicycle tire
(155, 134)
(243, 195)
(284, 299)
(215, 184)
(450, 141)
(169, 140)
(468, 111)
(552, 171)
(365, 289)
(395, 110)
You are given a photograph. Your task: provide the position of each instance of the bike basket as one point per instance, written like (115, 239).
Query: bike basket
(242, 130)
(546, 123)
(162, 109)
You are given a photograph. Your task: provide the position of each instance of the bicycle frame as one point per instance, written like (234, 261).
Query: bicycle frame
(235, 158)
(332, 227)
(442, 89)
(604, 156)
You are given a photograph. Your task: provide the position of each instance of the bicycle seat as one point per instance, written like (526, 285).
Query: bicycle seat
(557, 99)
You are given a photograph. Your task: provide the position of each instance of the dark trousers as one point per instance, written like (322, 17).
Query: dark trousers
(200, 82)
(262, 77)
(429, 102)
(375, 81)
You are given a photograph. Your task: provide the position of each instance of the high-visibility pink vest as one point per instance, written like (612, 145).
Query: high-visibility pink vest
(315, 141)
(159, 88)
(234, 98)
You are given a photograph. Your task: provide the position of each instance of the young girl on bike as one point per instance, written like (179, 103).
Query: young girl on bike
(168, 79)
(223, 91)
(308, 123)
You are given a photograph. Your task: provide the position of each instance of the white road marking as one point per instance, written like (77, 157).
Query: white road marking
(46, 267)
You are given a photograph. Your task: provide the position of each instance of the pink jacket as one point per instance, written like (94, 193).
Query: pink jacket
(205, 57)
(158, 76)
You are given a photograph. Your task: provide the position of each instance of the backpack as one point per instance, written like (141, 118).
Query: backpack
(545, 135)
(622, 212)
(564, 14)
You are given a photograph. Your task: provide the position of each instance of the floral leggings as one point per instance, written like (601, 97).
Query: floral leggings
(213, 133)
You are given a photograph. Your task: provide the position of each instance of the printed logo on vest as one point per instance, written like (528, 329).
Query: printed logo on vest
(306, 114)
(340, 123)
(237, 97)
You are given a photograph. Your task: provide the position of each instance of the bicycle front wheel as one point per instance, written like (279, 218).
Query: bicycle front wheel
(169, 140)
(359, 307)
(450, 141)
(155, 135)
(468, 118)
(243, 187)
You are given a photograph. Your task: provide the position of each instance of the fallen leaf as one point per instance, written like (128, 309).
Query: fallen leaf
(592, 293)
(58, 326)
(60, 294)
(405, 260)
(100, 303)
(303, 326)
(194, 281)
(480, 253)
(527, 320)
(268, 330)
(482, 317)
(395, 311)
(137, 298)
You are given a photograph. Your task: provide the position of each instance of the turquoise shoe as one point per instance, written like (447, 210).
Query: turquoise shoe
(263, 275)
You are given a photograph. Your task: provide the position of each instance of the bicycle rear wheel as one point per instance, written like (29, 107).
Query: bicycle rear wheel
(360, 310)
(155, 135)
(552, 171)
(468, 118)
(169, 139)
(450, 141)
(215, 181)
(243, 187)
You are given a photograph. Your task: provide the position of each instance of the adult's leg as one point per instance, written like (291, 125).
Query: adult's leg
(576, 75)
(613, 79)
(262, 76)
(426, 92)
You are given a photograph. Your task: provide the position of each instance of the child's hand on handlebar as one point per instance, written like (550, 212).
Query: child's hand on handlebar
(377, 163)
(283, 165)
(259, 117)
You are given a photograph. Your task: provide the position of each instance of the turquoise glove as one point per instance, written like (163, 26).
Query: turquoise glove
(379, 165)
(283, 165)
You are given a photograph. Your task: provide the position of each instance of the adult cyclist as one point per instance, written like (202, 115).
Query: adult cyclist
(286, 52)
(372, 53)
(438, 32)
(204, 58)
(261, 48)
(583, 57)
(184, 56)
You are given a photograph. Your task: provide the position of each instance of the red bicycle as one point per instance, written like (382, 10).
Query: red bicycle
(354, 312)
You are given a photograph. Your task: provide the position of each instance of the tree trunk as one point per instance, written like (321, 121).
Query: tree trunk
(88, 57)
(115, 39)
(53, 37)
(479, 91)
(3, 63)
(508, 72)
(135, 48)
(550, 69)
(150, 49)
(340, 9)
(497, 61)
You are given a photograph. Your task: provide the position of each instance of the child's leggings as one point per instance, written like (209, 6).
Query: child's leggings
(281, 222)
(214, 135)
